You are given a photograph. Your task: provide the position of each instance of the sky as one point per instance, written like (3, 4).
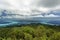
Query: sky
(29, 5)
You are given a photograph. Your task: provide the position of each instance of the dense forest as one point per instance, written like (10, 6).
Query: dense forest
(30, 32)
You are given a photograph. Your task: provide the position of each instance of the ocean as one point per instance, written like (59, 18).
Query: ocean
(54, 21)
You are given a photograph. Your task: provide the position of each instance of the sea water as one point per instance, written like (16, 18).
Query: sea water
(5, 22)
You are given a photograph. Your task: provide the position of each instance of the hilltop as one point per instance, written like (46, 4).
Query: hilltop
(30, 32)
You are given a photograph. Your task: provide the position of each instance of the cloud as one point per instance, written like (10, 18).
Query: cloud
(4, 4)
(51, 15)
(25, 7)
(15, 4)
(47, 3)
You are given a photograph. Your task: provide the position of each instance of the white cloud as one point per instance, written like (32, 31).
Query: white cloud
(51, 15)
(25, 7)
(29, 4)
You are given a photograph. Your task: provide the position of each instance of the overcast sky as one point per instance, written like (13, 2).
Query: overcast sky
(28, 5)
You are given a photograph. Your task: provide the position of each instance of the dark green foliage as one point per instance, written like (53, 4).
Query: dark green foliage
(30, 32)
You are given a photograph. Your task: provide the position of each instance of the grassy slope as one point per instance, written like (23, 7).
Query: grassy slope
(30, 32)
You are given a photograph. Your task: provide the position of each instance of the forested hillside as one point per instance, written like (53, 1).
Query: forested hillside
(30, 32)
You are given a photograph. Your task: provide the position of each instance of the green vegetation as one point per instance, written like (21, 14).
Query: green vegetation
(30, 32)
